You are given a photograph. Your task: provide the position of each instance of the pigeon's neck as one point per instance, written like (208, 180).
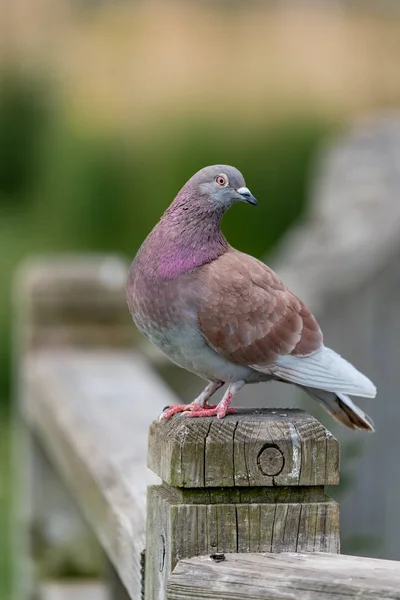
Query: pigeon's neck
(187, 238)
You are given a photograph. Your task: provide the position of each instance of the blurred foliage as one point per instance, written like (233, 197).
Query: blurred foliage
(65, 189)
(23, 113)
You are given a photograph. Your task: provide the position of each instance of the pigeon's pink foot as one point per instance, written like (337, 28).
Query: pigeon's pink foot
(192, 410)
(211, 411)
(173, 410)
(222, 409)
(200, 403)
(200, 408)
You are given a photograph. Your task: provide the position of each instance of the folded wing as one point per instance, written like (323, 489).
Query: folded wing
(249, 316)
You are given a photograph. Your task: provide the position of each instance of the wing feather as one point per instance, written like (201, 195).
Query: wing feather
(249, 316)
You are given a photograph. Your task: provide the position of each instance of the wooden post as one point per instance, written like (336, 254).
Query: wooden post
(72, 301)
(252, 482)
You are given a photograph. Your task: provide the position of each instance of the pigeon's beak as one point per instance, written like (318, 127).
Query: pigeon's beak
(247, 195)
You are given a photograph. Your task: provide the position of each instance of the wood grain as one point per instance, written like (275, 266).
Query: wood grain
(177, 530)
(252, 482)
(285, 576)
(193, 453)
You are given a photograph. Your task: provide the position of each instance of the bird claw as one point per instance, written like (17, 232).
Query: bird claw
(210, 411)
(195, 410)
(172, 410)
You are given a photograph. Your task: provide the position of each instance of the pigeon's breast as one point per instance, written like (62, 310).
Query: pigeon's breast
(157, 304)
(166, 313)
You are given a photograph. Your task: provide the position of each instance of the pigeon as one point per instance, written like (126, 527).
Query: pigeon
(226, 316)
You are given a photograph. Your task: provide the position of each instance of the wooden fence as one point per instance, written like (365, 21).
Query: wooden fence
(235, 509)
(343, 260)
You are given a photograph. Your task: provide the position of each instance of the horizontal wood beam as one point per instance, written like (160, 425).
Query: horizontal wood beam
(318, 576)
(91, 411)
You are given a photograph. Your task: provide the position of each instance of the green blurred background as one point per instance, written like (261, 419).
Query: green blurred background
(107, 108)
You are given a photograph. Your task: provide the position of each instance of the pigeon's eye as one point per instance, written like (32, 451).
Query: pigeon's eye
(221, 180)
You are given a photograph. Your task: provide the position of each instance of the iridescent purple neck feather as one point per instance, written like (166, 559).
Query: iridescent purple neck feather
(187, 236)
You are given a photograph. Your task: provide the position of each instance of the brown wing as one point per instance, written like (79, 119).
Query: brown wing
(249, 316)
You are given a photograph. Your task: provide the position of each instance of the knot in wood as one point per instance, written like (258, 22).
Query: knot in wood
(270, 460)
(247, 449)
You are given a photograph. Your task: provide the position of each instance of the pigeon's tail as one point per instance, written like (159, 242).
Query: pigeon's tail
(325, 370)
(342, 408)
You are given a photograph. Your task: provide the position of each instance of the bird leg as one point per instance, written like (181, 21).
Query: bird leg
(199, 404)
(222, 408)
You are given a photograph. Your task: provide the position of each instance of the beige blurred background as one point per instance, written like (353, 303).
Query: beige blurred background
(137, 63)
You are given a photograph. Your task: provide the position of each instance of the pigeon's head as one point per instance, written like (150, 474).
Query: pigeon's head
(221, 184)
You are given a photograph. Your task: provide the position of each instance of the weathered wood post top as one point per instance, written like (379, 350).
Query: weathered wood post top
(263, 447)
(251, 482)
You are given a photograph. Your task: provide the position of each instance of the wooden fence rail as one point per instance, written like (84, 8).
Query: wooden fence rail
(285, 577)
(228, 492)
